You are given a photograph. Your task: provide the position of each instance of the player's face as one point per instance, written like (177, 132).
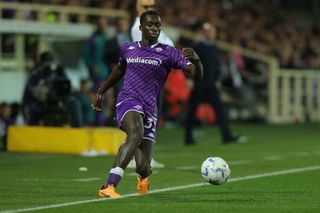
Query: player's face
(151, 28)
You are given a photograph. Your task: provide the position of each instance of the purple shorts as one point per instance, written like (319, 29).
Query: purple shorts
(149, 120)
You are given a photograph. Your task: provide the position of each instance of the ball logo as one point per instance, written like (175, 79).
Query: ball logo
(159, 49)
(138, 107)
(147, 60)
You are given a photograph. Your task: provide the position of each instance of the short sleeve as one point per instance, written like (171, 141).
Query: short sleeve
(176, 59)
(122, 59)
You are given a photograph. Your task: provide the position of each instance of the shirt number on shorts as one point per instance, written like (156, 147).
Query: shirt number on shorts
(150, 123)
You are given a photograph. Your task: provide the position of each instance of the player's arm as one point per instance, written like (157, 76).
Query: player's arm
(117, 73)
(194, 70)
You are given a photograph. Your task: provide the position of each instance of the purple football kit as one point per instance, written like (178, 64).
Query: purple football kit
(147, 68)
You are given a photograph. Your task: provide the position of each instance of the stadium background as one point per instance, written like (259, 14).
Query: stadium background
(268, 35)
(273, 46)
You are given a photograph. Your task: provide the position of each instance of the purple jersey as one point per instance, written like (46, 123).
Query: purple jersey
(147, 68)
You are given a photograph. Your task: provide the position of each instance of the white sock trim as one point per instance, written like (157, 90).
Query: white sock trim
(118, 171)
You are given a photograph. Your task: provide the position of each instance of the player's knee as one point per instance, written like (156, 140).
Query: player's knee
(145, 171)
(136, 135)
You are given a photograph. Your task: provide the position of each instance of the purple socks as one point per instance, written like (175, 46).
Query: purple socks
(115, 176)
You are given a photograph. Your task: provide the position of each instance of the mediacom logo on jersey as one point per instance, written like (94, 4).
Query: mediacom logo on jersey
(151, 61)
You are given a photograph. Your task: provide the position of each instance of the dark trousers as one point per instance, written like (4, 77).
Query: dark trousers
(4, 142)
(210, 94)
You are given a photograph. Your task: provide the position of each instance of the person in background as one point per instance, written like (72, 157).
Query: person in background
(206, 89)
(93, 55)
(113, 45)
(5, 122)
(84, 96)
(145, 66)
(141, 7)
(16, 114)
(47, 98)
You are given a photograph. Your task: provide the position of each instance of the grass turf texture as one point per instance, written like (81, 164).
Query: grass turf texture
(33, 180)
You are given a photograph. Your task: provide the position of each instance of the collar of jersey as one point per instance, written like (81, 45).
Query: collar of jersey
(152, 46)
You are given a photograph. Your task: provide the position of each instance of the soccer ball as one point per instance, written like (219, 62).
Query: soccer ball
(215, 170)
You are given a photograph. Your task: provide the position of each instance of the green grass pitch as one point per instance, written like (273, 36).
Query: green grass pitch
(278, 170)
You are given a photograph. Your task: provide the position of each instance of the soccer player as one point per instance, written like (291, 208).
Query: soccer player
(142, 6)
(145, 66)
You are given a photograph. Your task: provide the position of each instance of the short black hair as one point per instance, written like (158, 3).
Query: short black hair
(45, 57)
(148, 13)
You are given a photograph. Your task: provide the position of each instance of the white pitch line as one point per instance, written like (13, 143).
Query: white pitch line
(317, 152)
(61, 180)
(301, 154)
(240, 162)
(86, 179)
(283, 172)
(186, 167)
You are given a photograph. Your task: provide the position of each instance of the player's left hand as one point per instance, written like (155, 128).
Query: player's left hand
(190, 54)
(96, 104)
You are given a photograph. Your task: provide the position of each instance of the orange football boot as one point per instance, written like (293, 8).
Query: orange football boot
(110, 192)
(143, 186)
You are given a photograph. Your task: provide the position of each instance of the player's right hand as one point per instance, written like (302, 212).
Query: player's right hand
(96, 104)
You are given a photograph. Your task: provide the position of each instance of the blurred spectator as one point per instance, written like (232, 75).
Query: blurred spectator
(310, 59)
(93, 55)
(47, 98)
(176, 97)
(84, 96)
(257, 26)
(237, 84)
(16, 114)
(112, 46)
(5, 122)
(9, 13)
(74, 18)
(206, 90)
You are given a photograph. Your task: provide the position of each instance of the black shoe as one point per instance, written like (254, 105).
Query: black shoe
(236, 139)
(189, 141)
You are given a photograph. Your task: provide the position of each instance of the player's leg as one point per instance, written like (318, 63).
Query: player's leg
(143, 156)
(132, 124)
(153, 162)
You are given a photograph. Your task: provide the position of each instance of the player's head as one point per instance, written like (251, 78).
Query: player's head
(123, 25)
(143, 5)
(101, 24)
(45, 57)
(150, 25)
(208, 31)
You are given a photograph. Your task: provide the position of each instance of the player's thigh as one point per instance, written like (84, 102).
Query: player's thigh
(132, 122)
